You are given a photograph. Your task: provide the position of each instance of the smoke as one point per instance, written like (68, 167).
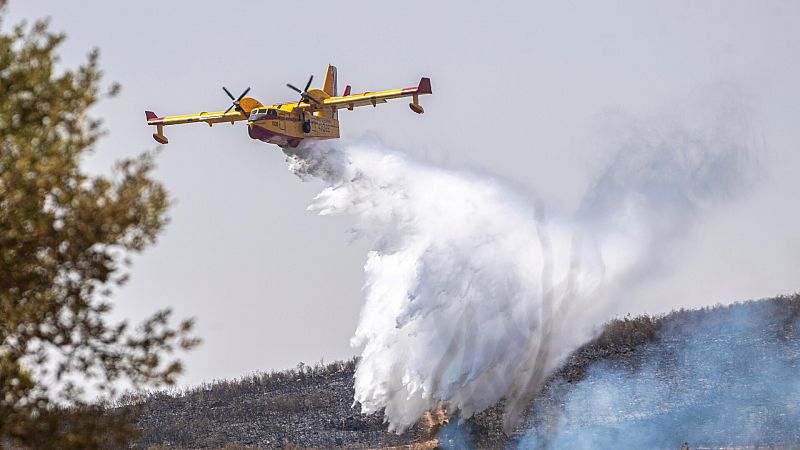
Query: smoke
(474, 293)
(454, 436)
(670, 168)
(720, 378)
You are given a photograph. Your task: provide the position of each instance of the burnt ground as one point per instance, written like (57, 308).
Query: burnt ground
(669, 357)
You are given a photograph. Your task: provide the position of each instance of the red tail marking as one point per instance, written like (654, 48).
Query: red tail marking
(152, 118)
(424, 86)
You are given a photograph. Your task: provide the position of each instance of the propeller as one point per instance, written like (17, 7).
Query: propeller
(304, 93)
(235, 103)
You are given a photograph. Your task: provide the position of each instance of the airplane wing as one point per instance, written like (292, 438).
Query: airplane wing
(206, 117)
(372, 98)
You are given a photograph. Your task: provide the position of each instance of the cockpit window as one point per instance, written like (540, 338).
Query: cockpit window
(259, 113)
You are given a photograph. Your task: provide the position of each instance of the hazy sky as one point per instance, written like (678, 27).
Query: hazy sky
(519, 88)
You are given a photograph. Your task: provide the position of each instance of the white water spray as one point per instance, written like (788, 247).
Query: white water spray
(473, 294)
(463, 282)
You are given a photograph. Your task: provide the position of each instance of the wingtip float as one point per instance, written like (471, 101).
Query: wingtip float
(315, 115)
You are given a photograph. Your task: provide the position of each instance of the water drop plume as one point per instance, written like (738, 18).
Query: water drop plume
(475, 293)
(472, 293)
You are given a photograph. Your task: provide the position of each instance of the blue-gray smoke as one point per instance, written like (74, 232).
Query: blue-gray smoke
(454, 436)
(714, 379)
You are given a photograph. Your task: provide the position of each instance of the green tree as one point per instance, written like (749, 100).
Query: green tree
(65, 239)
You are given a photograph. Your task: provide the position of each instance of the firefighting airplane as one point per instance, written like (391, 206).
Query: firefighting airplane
(315, 115)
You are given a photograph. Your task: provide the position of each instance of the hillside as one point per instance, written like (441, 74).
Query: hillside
(715, 376)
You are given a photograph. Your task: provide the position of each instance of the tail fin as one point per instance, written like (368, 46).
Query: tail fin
(330, 85)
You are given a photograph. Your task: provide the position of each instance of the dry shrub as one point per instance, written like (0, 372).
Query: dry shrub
(430, 422)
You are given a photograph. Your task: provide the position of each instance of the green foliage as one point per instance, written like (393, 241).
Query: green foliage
(629, 332)
(621, 336)
(64, 241)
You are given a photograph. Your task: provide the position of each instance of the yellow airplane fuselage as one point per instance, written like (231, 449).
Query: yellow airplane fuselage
(284, 126)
